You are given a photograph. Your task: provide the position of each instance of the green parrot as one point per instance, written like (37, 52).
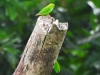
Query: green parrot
(46, 10)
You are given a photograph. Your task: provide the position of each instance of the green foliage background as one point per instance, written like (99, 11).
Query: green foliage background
(80, 53)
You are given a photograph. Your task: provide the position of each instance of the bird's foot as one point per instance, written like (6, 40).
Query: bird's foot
(49, 16)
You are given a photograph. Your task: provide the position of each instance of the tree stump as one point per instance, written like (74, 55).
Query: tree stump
(42, 48)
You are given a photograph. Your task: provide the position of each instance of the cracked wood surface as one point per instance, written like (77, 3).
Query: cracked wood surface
(42, 48)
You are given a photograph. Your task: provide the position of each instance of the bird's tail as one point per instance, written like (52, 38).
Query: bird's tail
(37, 15)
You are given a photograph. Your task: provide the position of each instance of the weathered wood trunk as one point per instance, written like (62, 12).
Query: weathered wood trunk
(42, 48)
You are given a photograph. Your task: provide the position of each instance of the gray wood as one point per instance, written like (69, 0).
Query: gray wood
(42, 48)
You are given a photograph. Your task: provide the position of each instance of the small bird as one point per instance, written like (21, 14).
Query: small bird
(46, 10)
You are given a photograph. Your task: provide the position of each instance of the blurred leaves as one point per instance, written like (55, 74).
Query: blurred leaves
(17, 20)
(11, 12)
(96, 3)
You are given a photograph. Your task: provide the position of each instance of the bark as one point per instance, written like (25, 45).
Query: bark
(42, 48)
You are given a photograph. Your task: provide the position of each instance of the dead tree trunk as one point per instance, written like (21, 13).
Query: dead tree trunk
(42, 48)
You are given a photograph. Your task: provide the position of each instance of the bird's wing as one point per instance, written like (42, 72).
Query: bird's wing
(45, 10)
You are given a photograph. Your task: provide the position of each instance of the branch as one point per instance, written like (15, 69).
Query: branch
(42, 48)
(88, 39)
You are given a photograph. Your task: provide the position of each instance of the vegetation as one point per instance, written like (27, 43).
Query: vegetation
(80, 53)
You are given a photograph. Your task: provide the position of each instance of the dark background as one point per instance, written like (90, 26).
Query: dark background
(80, 53)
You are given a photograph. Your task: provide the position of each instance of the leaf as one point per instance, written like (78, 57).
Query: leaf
(2, 3)
(3, 35)
(94, 57)
(70, 34)
(11, 50)
(96, 3)
(11, 59)
(57, 67)
(11, 12)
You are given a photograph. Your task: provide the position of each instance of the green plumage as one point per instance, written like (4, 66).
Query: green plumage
(46, 10)
(57, 67)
